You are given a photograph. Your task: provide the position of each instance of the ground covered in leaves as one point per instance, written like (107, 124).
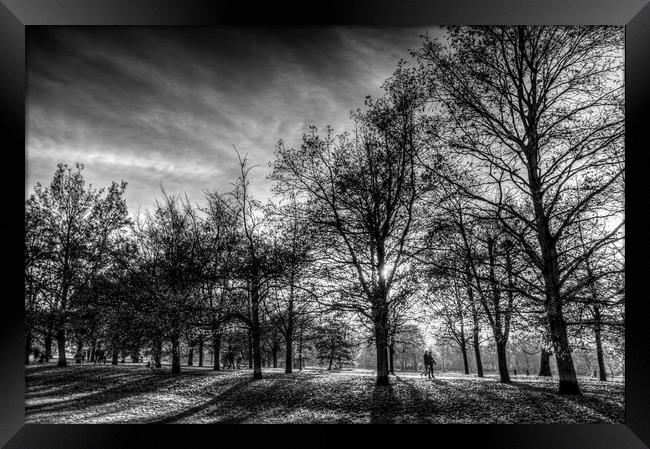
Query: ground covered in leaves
(131, 393)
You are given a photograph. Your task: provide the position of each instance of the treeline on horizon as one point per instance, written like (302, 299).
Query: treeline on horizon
(482, 194)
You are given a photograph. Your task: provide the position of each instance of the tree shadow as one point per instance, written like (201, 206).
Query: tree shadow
(220, 400)
(384, 405)
(608, 408)
(96, 389)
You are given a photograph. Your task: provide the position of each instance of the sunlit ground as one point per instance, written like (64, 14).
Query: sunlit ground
(131, 393)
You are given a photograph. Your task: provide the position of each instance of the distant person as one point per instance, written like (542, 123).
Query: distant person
(431, 363)
(426, 364)
(231, 360)
(238, 361)
(514, 371)
(527, 372)
(594, 376)
(99, 354)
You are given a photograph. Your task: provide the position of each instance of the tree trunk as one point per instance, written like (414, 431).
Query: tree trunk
(288, 357)
(476, 328)
(256, 331)
(382, 352)
(463, 349)
(329, 368)
(565, 368)
(216, 341)
(274, 354)
(391, 356)
(545, 364)
(250, 349)
(176, 355)
(502, 361)
(200, 350)
(77, 356)
(93, 349)
(599, 345)
(477, 354)
(300, 351)
(60, 338)
(190, 356)
(48, 346)
(157, 353)
(28, 345)
(551, 273)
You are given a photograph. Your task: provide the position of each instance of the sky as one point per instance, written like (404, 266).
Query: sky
(162, 106)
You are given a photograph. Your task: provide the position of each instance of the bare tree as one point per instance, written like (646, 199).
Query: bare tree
(533, 108)
(362, 192)
(170, 245)
(258, 266)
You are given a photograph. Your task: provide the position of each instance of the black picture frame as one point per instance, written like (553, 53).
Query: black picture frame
(16, 15)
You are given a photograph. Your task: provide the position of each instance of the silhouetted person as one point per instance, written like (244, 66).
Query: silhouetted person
(514, 371)
(431, 363)
(231, 360)
(426, 364)
(527, 372)
(594, 376)
(238, 361)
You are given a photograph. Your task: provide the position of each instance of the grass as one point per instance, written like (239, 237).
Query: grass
(132, 394)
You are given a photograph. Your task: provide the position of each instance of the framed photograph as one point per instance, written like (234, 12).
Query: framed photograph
(344, 213)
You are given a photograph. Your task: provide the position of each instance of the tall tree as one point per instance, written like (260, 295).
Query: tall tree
(258, 267)
(535, 107)
(169, 240)
(221, 245)
(80, 225)
(291, 298)
(362, 190)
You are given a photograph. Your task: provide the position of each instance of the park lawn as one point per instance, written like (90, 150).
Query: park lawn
(131, 393)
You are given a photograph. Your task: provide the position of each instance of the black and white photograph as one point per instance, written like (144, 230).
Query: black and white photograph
(325, 224)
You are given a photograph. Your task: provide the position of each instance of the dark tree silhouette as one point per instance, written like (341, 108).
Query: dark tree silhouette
(535, 107)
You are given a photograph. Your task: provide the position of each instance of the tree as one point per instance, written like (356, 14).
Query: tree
(361, 192)
(452, 309)
(79, 227)
(258, 265)
(535, 107)
(332, 341)
(409, 342)
(169, 242)
(291, 298)
(35, 253)
(220, 246)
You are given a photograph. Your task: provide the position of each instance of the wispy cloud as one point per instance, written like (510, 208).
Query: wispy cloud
(165, 106)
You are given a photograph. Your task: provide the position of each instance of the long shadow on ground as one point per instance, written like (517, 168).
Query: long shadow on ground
(134, 394)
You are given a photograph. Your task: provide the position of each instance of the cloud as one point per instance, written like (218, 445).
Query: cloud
(166, 105)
